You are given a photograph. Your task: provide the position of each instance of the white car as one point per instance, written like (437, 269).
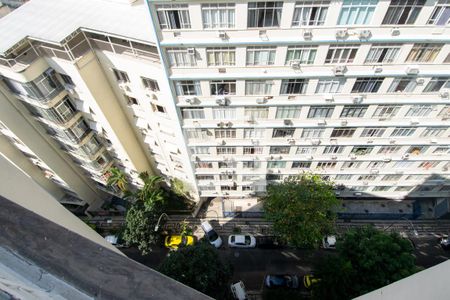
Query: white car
(211, 234)
(242, 241)
(115, 241)
(238, 290)
(329, 242)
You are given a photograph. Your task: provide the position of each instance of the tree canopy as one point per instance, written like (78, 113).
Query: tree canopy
(301, 209)
(199, 267)
(366, 259)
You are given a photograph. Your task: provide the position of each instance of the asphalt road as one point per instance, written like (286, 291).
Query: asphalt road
(251, 265)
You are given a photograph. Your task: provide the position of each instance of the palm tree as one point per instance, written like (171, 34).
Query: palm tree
(151, 192)
(117, 178)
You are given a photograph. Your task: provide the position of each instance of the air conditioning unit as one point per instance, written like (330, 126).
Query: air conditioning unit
(307, 34)
(374, 171)
(221, 100)
(260, 100)
(420, 80)
(221, 124)
(378, 69)
(190, 100)
(395, 31)
(322, 122)
(344, 123)
(352, 156)
(339, 70)
(191, 51)
(342, 34)
(370, 142)
(433, 141)
(287, 122)
(387, 159)
(414, 122)
(334, 157)
(392, 142)
(405, 156)
(123, 85)
(291, 141)
(315, 142)
(222, 35)
(358, 99)
(228, 124)
(295, 64)
(329, 98)
(365, 34)
(444, 94)
(412, 70)
(309, 158)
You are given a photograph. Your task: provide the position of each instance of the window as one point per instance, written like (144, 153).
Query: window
(403, 188)
(260, 55)
(258, 87)
(253, 150)
(221, 56)
(373, 132)
(226, 150)
(389, 149)
(428, 164)
(279, 149)
(257, 112)
(276, 164)
(403, 131)
(254, 133)
(367, 177)
(445, 112)
(343, 132)
(386, 111)
(158, 108)
(250, 165)
(264, 14)
(354, 111)
(218, 15)
(351, 164)
(301, 164)
(383, 53)
(333, 149)
(415, 177)
(326, 165)
(207, 188)
(180, 57)
(301, 54)
(200, 150)
(310, 13)
(288, 112)
(131, 100)
(423, 52)
(193, 113)
(330, 85)
(224, 133)
(391, 177)
(403, 11)
(79, 130)
(312, 133)
(306, 150)
(293, 86)
(227, 164)
(381, 188)
(150, 84)
(204, 177)
(67, 80)
(358, 188)
(223, 87)
(441, 13)
(121, 76)
(403, 85)
(173, 16)
(416, 150)
(377, 164)
(419, 111)
(436, 83)
(224, 113)
(283, 133)
(320, 112)
(433, 132)
(441, 150)
(203, 164)
(227, 177)
(362, 150)
(343, 177)
(357, 12)
(367, 84)
(202, 134)
(341, 54)
(187, 87)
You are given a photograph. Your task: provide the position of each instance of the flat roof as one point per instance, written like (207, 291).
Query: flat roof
(54, 20)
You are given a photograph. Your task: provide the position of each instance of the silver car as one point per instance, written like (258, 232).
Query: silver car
(241, 241)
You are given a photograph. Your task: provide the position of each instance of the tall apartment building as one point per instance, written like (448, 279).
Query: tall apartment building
(232, 95)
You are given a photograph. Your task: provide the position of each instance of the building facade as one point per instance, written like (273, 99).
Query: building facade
(230, 96)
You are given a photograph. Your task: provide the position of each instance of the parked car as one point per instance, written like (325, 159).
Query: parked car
(329, 242)
(115, 240)
(444, 242)
(175, 241)
(211, 234)
(268, 242)
(309, 280)
(238, 291)
(242, 241)
(281, 281)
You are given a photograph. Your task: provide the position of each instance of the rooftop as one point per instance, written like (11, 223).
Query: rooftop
(53, 21)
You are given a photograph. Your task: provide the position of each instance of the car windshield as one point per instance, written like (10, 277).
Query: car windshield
(212, 236)
(278, 280)
(247, 240)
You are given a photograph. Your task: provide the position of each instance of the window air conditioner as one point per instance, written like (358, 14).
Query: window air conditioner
(328, 98)
(342, 34)
(414, 122)
(357, 99)
(221, 100)
(221, 124)
(444, 94)
(420, 80)
(222, 35)
(378, 69)
(405, 156)
(260, 100)
(395, 31)
(191, 51)
(392, 142)
(387, 159)
(365, 34)
(412, 70)
(322, 122)
(344, 123)
(352, 156)
(315, 142)
(295, 64)
(339, 70)
(374, 171)
(291, 141)
(307, 34)
(190, 100)
(334, 157)
(228, 124)
(287, 122)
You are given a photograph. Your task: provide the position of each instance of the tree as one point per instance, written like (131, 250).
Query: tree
(117, 178)
(301, 209)
(199, 267)
(151, 192)
(366, 259)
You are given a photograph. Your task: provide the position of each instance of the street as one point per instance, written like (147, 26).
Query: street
(251, 265)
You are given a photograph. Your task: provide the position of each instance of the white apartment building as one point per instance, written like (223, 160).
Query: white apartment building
(232, 95)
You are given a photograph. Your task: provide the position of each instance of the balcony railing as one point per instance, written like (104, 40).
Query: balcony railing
(21, 61)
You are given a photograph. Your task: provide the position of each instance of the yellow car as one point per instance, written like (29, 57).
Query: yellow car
(175, 241)
(309, 280)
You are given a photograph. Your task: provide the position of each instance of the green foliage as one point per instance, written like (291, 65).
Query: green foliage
(366, 259)
(185, 229)
(117, 178)
(179, 188)
(199, 267)
(301, 209)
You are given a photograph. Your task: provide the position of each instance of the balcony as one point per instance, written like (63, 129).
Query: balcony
(20, 61)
